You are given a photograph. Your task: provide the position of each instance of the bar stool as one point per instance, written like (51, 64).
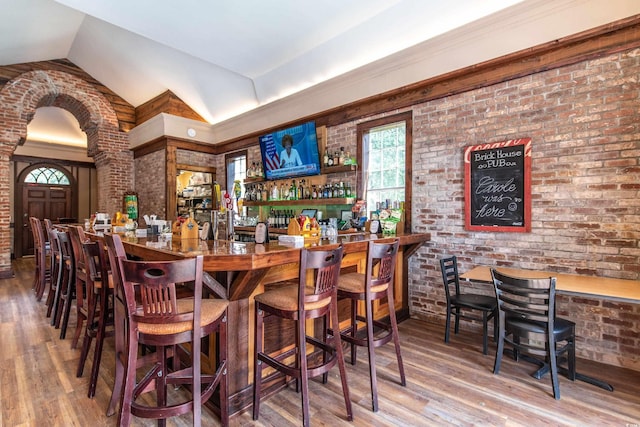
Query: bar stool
(156, 317)
(41, 252)
(374, 285)
(84, 298)
(313, 297)
(56, 271)
(99, 288)
(66, 292)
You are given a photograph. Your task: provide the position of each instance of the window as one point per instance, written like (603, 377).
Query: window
(385, 156)
(44, 175)
(236, 171)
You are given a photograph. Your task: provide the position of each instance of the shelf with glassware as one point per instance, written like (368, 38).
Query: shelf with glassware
(194, 193)
(200, 206)
(277, 202)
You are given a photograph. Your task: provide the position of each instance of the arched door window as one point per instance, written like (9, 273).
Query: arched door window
(47, 175)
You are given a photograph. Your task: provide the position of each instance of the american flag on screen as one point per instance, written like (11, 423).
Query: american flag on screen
(271, 158)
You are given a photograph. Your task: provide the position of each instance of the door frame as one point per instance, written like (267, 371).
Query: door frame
(18, 207)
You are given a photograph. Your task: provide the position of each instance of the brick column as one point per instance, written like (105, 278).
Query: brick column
(6, 150)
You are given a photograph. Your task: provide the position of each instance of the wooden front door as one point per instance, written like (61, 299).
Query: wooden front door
(41, 201)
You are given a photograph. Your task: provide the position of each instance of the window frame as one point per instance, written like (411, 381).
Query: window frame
(364, 128)
(231, 158)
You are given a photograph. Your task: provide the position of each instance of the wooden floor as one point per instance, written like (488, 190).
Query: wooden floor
(446, 384)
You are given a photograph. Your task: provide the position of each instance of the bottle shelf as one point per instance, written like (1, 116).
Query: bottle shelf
(338, 169)
(325, 201)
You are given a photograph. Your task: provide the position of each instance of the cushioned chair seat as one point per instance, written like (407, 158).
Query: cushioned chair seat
(286, 298)
(210, 311)
(474, 301)
(355, 282)
(561, 327)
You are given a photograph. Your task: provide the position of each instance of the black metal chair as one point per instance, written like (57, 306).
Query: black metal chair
(528, 323)
(457, 301)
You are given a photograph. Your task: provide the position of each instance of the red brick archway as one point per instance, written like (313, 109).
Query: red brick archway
(108, 146)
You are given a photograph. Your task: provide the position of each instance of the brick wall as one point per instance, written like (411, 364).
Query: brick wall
(109, 147)
(583, 122)
(196, 158)
(151, 185)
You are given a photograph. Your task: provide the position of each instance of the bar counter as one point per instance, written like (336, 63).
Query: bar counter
(238, 270)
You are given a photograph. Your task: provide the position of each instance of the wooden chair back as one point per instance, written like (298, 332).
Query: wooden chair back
(381, 263)
(155, 283)
(322, 269)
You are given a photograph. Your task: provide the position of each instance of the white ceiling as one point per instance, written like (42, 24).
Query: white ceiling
(221, 57)
(225, 58)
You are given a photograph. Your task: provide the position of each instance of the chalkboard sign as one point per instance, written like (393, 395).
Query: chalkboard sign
(497, 186)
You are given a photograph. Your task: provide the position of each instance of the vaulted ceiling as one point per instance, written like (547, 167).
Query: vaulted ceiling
(226, 59)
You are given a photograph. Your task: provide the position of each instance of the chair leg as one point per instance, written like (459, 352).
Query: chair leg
(80, 292)
(120, 328)
(302, 365)
(337, 342)
(56, 316)
(84, 352)
(396, 336)
(161, 383)
(257, 364)
(553, 369)
(54, 289)
(88, 334)
(447, 325)
(97, 354)
(126, 397)
(354, 329)
(499, 350)
(485, 333)
(224, 384)
(372, 355)
(66, 309)
(325, 376)
(572, 357)
(457, 321)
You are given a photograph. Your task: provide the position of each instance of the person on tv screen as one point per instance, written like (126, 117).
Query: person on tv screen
(289, 157)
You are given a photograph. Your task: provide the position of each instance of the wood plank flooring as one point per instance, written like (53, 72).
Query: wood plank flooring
(447, 384)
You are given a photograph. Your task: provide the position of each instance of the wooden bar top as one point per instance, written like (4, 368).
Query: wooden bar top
(223, 255)
(250, 259)
(604, 287)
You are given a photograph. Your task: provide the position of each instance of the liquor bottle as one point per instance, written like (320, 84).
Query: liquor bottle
(293, 190)
(330, 162)
(314, 192)
(300, 190)
(341, 189)
(325, 159)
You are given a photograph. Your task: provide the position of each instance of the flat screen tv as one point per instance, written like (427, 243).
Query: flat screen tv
(290, 152)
